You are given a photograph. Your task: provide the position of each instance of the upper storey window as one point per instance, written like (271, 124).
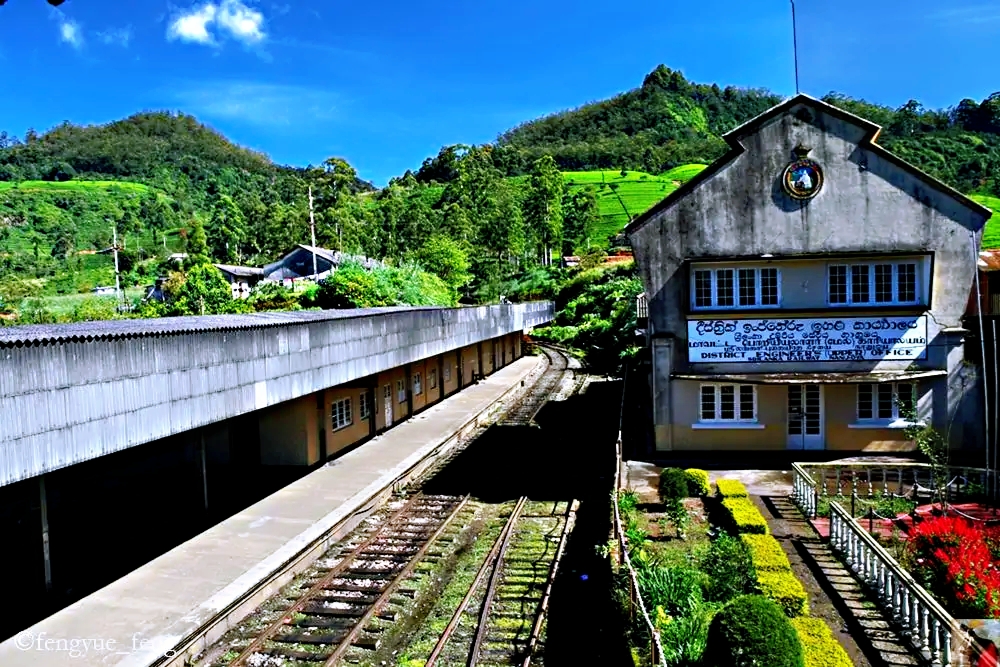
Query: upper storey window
(736, 288)
(873, 284)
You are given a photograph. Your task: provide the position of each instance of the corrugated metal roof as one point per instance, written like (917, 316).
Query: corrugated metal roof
(35, 334)
(989, 260)
(848, 377)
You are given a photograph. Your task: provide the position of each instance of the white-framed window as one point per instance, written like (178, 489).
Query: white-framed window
(417, 387)
(873, 283)
(447, 373)
(364, 409)
(340, 413)
(885, 402)
(728, 403)
(401, 391)
(432, 378)
(736, 288)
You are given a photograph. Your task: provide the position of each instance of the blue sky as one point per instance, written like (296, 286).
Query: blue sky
(386, 84)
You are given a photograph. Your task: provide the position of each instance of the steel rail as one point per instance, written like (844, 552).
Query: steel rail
(457, 616)
(348, 640)
(335, 572)
(484, 612)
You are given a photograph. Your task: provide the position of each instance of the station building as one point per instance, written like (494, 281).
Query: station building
(806, 291)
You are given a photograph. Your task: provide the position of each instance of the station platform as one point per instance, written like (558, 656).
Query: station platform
(176, 604)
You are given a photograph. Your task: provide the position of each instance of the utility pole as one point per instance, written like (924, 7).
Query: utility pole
(312, 231)
(114, 246)
(795, 48)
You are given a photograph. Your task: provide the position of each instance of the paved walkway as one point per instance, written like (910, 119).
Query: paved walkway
(146, 614)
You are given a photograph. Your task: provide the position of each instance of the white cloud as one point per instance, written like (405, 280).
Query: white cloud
(69, 32)
(116, 36)
(231, 17)
(193, 26)
(262, 104)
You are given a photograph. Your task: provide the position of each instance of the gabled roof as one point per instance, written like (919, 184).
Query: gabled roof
(735, 136)
(235, 270)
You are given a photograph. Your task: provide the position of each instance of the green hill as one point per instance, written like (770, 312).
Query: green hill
(991, 236)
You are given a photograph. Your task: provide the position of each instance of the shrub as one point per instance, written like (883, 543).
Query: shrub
(819, 647)
(673, 484)
(628, 500)
(731, 488)
(684, 638)
(697, 481)
(733, 573)
(783, 588)
(752, 631)
(744, 516)
(678, 590)
(767, 554)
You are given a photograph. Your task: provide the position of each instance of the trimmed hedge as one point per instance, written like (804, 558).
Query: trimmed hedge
(820, 647)
(767, 554)
(697, 481)
(751, 631)
(782, 587)
(731, 488)
(744, 516)
(673, 484)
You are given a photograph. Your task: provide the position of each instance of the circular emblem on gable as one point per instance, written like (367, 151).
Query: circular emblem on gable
(802, 179)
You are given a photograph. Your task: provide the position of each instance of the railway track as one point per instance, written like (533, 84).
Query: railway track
(368, 600)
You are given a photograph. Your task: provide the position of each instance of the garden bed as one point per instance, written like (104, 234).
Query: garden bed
(704, 556)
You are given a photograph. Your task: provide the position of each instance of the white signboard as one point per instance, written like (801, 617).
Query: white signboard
(814, 339)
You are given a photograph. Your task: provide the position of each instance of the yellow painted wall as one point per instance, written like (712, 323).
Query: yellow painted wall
(359, 428)
(450, 379)
(488, 365)
(471, 362)
(390, 378)
(419, 400)
(289, 433)
(841, 410)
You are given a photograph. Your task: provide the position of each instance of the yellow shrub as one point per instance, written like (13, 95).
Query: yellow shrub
(821, 648)
(786, 590)
(766, 552)
(730, 488)
(697, 482)
(745, 516)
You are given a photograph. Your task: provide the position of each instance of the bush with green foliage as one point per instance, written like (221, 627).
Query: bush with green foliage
(673, 483)
(684, 638)
(820, 647)
(744, 517)
(353, 286)
(752, 631)
(767, 554)
(678, 590)
(731, 566)
(697, 481)
(730, 488)
(270, 295)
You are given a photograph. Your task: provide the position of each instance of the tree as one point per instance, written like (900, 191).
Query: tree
(445, 257)
(202, 291)
(227, 230)
(582, 215)
(543, 208)
(197, 244)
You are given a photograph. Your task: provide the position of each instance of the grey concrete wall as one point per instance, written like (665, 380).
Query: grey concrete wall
(65, 401)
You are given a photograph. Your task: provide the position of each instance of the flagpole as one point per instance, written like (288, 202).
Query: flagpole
(795, 48)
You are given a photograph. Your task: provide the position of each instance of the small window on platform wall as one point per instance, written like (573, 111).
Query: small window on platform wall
(364, 409)
(417, 387)
(873, 284)
(432, 378)
(886, 401)
(401, 391)
(341, 414)
(728, 403)
(736, 288)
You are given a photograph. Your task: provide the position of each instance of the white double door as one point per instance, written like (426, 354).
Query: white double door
(805, 416)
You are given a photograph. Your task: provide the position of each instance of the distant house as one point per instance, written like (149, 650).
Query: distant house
(570, 260)
(989, 285)
(103, 290)
(241, 278)
(298, 264)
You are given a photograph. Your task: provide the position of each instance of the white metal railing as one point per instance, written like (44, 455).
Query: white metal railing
(923, 621)
(812, 481)
(641, 307)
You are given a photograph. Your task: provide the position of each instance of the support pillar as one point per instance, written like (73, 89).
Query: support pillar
(204, 471)
(409, 390)
(440, 376)
(46, 553)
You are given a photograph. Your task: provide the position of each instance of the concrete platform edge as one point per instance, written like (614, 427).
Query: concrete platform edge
(244, 595)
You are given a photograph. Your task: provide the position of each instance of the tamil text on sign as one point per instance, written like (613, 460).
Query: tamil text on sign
(814, 339)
